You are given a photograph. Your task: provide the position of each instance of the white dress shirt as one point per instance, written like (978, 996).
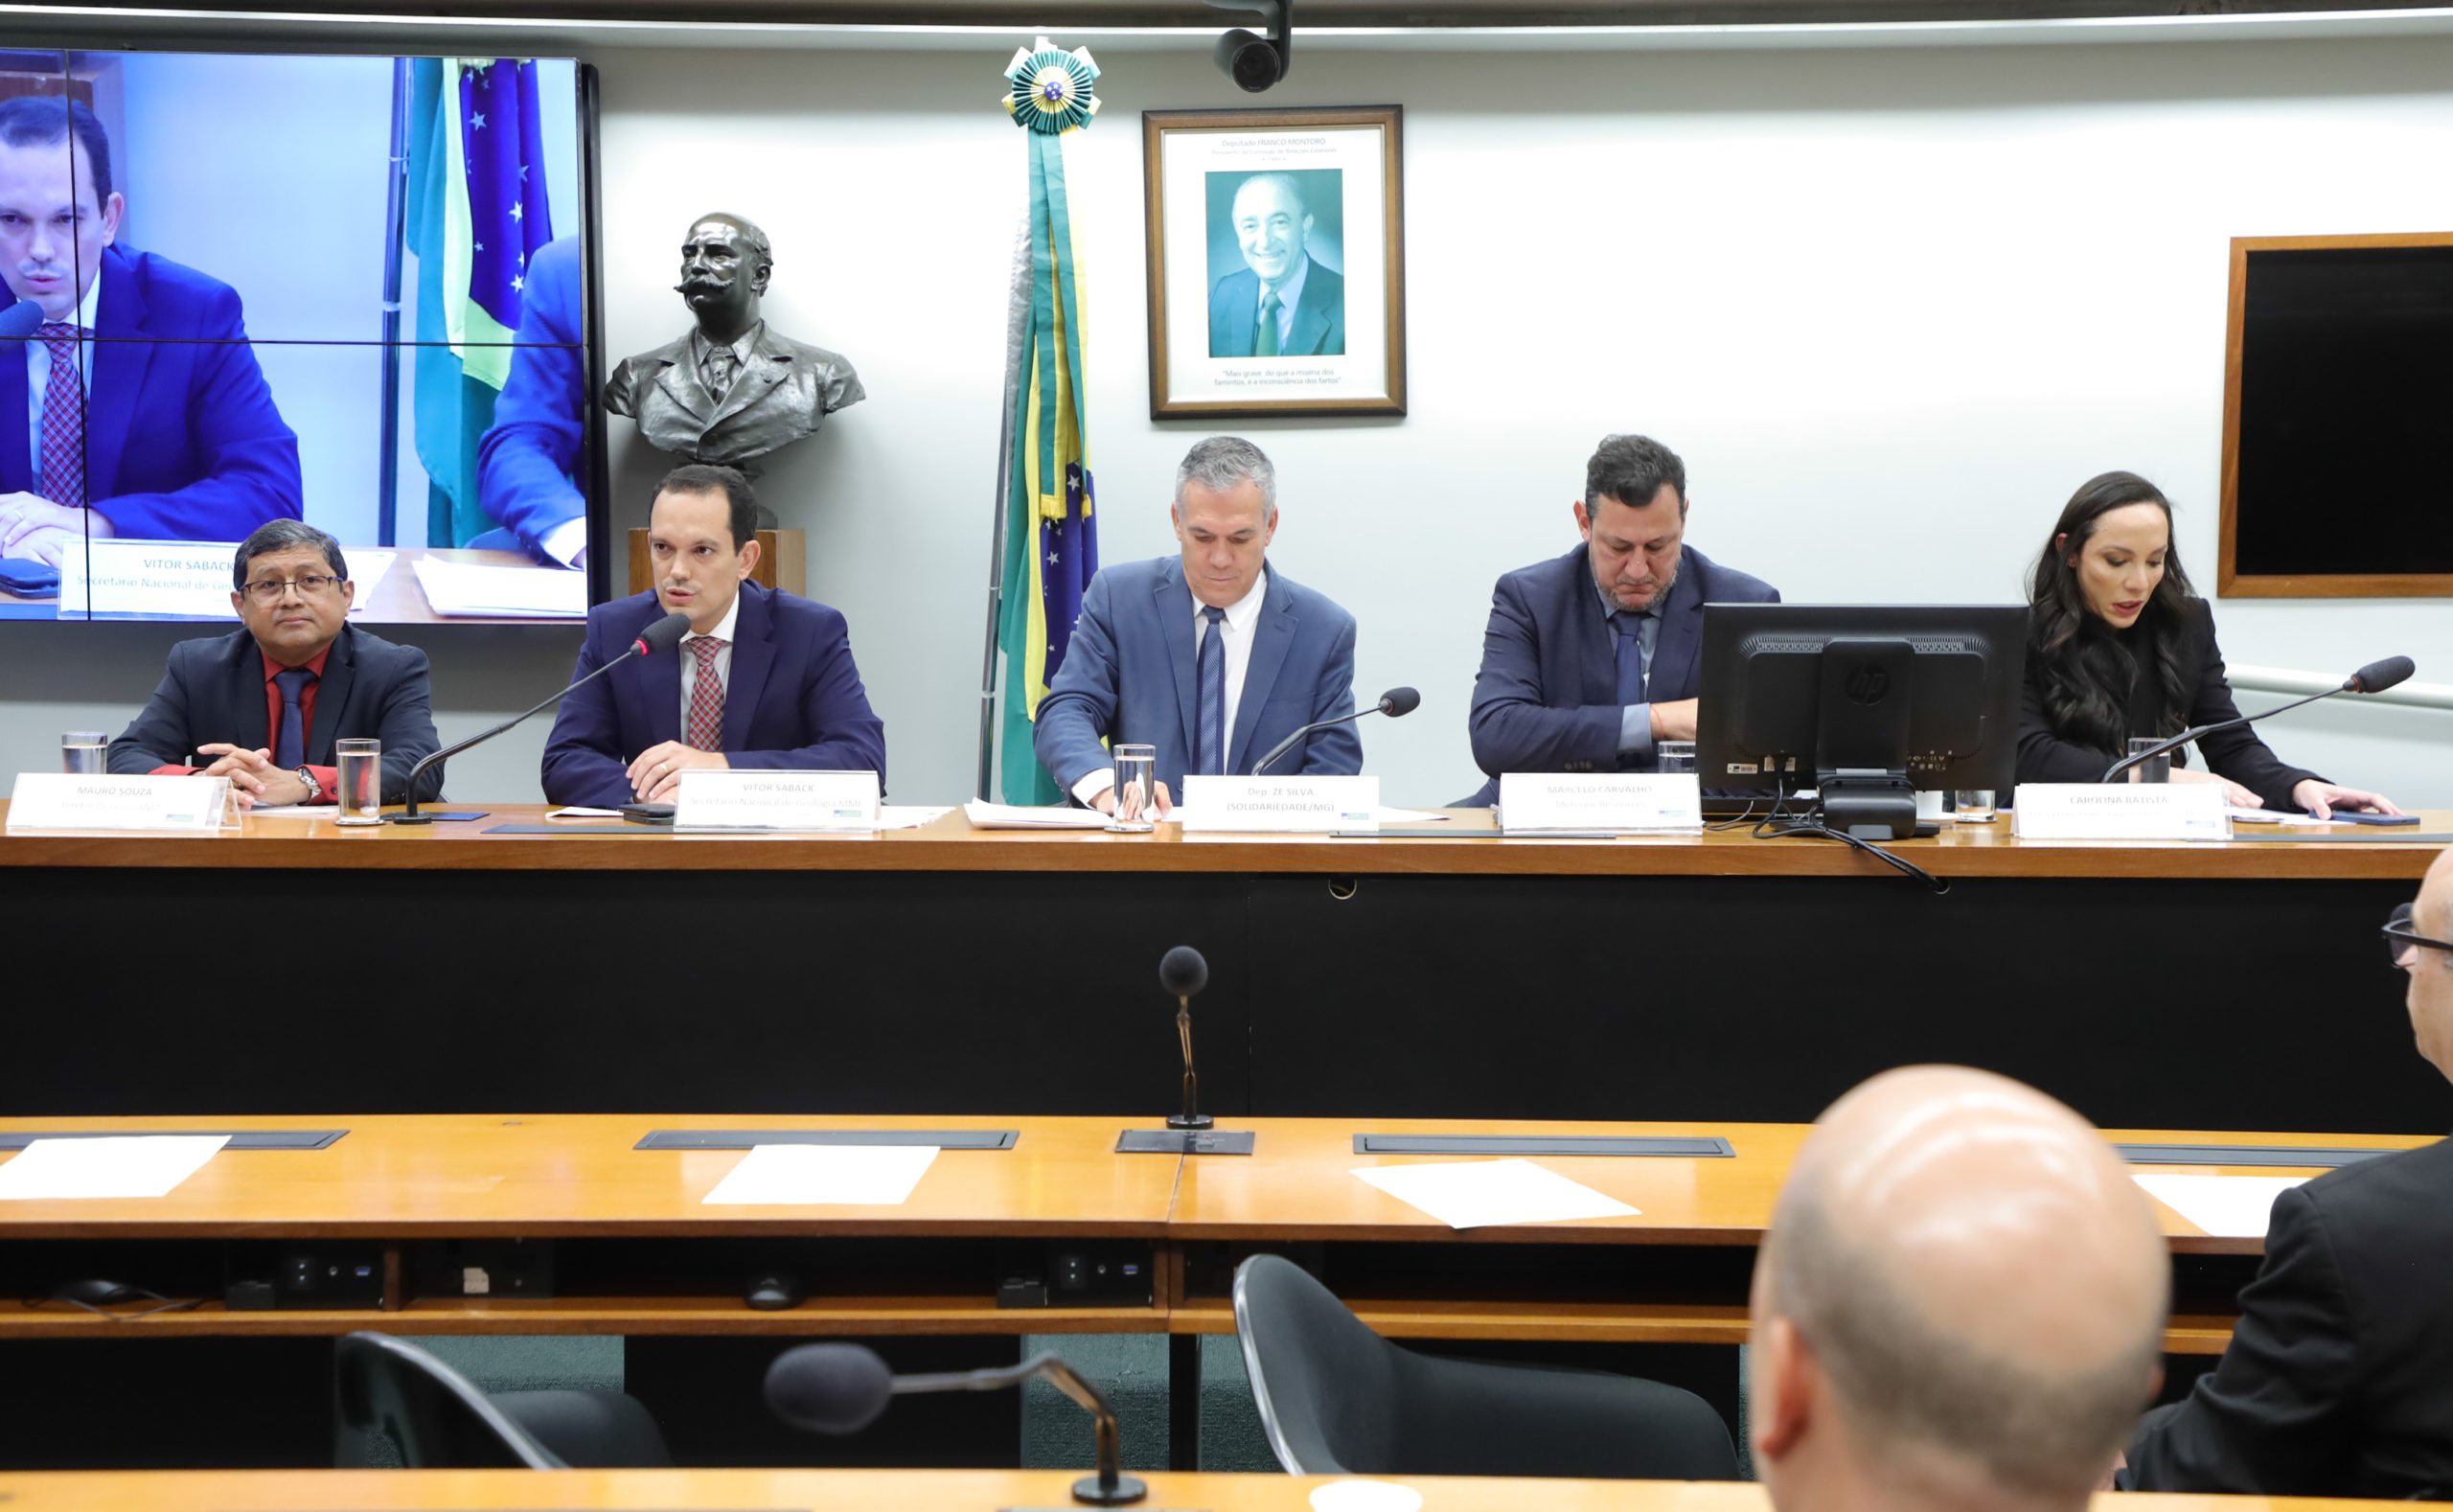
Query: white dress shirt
(724, 661)
(38, 375)
(1237, 626)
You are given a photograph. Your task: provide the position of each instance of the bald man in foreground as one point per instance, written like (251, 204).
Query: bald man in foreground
(1961, 1304)
(2339, 1378)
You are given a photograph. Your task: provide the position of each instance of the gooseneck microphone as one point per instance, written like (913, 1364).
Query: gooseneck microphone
(662, 635)
(842, 1388)
(1183, 974)
(2375, 678)
(20, 320)
(1396, 703)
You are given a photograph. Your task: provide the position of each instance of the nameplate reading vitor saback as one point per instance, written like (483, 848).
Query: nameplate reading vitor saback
(147, 577)
(2119, 811)
(52, 800)
(711, 799)
(1633, 803)
(1281, 805)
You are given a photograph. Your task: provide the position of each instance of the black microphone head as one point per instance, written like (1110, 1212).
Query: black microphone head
(20, 320)
(1183, 972)
(662, 635)
(2378, 675)
(1398, 701)
(829, 1389)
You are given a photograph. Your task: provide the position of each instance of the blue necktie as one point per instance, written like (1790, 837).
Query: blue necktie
(1631, 657)
(1209, 722)
(290, 752)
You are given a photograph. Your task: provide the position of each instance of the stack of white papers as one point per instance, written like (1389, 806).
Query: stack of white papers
(909, 815)
(114, 1165)
(467, 588)
(1476, 1194)
(864, 1175)
(2225, 1206)
(366, 569)
(1008, 817)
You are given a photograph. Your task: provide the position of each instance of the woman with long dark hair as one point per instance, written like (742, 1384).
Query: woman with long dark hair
(2120, 646)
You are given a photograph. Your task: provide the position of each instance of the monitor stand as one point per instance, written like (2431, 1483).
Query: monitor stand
(1861, 739)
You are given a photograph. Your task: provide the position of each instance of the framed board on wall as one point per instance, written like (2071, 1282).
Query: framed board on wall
(2337, 400)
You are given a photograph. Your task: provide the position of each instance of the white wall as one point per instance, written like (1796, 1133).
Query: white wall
(1892, 306)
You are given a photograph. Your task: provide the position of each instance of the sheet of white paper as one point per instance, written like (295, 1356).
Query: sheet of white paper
(467, 588)
(576, 812)
(290, 810)
(1388, 815)
(1476, 1194)
(1365, 1496)
(366, 569)
(117, 1165)
(2240, 815)
(1010, 816)
(864, 1175)
(910, 815)
(2225, 1206)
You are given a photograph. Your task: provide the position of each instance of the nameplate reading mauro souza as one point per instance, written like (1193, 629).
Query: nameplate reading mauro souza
(2088, 811)
(52, 800)
(1280, 804)
(713, 799)
(1636, 803)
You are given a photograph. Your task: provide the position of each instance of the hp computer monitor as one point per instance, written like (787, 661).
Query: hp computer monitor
(1865, 703)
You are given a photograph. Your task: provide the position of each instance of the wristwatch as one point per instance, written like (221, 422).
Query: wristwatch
(314, 789)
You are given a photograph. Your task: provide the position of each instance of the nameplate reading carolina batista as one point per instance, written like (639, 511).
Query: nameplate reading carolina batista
(769, 801)
(2116, 810)
(52, 800)
(1280, 804)
(1618, 803)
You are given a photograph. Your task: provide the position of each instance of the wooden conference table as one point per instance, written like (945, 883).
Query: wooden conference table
(1677, 977)
(889, 1491)
(630, 1248)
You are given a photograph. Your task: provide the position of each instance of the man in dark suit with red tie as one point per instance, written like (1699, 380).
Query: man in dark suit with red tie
(266, 703)
(764, 680)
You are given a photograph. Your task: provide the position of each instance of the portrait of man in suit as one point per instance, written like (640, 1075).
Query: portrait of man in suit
(136, 407)
(731, 390)
(1283, 301)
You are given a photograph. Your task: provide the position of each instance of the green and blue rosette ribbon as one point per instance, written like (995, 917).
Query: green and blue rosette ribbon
(1052, 90)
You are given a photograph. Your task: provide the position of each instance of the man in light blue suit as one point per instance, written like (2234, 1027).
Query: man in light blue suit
(1212, 656)
(1285, 303)
(1591, 658)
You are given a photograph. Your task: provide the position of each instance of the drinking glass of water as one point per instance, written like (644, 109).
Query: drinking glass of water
(1674, 756)
(84, 753)
(361, 781)
(2158, 770)
(1973, 805)
(1136, 807)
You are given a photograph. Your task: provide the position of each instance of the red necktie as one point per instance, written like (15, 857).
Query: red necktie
(706, 696)
(63, 418)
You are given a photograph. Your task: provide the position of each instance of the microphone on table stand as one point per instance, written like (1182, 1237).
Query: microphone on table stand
(2375, 678)
(1182, 972)
(1395, 704)
(842, 1388)
(662, 635)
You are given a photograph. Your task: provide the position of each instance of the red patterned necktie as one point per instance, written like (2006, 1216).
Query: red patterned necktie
(63, 418)
(706, 696)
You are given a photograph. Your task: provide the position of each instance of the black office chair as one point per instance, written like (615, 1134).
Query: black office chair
(1337, 1399)
(442, 1421)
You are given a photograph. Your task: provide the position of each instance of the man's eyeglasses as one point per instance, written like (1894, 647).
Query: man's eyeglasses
(313, 587)
(2399, 937)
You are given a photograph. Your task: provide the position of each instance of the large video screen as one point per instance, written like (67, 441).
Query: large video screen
(242, 289)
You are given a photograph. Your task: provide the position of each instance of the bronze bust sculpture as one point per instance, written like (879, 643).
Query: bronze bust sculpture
(731, 390)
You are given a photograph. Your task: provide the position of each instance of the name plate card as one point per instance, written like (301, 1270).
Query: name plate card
(2119, 810)
(1622, 803)
(189, 578)
(710, 799)
(1280, 804)
(51, 800)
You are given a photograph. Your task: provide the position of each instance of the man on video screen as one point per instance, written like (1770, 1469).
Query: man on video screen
(144, 413)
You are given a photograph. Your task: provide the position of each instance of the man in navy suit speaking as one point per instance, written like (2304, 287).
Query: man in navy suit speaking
(1593, 657)
(1284, 302)
(764, 680)
(1212, 656)
(136, 408)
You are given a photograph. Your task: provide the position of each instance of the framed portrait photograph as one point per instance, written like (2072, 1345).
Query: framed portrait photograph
(1277, 262)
